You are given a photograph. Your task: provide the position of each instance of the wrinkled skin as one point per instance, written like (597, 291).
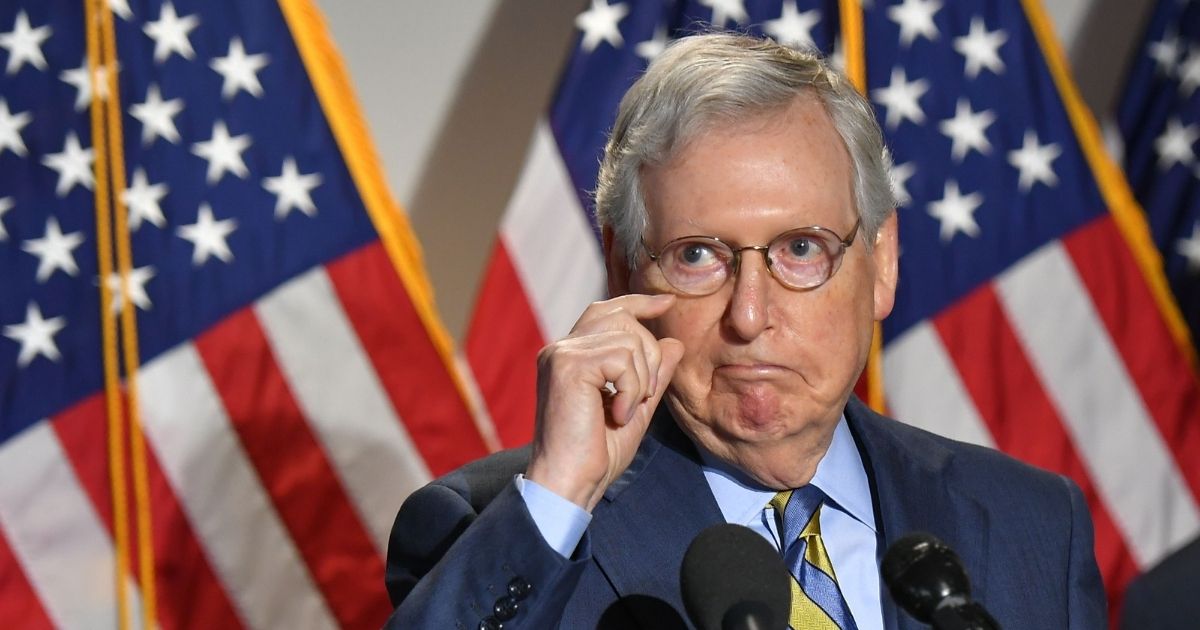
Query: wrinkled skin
(759, 373)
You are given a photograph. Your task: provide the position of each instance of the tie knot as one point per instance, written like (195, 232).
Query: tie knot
(797, 512)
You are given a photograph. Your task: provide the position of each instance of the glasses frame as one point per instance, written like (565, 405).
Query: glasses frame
(736, 256)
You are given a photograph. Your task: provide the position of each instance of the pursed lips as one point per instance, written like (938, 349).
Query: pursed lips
(751, 370)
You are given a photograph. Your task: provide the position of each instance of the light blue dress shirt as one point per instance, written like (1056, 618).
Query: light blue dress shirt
(847, 520)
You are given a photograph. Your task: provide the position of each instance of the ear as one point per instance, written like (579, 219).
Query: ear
(886, 256)
(615, 263)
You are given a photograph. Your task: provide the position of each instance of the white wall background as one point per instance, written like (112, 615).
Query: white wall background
(451, 89)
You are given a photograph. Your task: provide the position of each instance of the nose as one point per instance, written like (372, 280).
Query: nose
(747, 315)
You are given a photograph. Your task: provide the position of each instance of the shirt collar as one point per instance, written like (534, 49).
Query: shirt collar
(840, 475)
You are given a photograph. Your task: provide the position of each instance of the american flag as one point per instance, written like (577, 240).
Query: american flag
(1032, 315)
(220, 368)
(1159, 120)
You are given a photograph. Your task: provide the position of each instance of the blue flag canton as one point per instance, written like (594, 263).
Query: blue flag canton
(1159, 120)
(235, 183)
(987, 164)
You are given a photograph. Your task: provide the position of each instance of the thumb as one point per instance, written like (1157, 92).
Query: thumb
(671, 351)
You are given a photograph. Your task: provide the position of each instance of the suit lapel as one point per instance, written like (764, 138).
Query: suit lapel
(650, 515)
(908, 473)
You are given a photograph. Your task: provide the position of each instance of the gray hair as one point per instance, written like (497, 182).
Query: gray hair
(701, 81)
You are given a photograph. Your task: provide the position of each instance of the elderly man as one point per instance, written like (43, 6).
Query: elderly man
(750, 243)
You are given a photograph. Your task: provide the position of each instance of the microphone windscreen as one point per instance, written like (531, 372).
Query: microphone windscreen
(732, 578)
(921, 572)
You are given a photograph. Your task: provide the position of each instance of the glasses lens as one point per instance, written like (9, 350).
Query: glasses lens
(804, 258)
(695, 265)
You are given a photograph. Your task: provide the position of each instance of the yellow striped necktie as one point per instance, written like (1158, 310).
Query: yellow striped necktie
(817, 601)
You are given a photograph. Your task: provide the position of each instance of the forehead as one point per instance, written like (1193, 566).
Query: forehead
(778, 170)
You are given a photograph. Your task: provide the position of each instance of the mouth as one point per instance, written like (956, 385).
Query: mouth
(751, 370)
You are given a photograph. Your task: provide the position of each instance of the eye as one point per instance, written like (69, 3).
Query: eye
(802, 248)
(696, 254)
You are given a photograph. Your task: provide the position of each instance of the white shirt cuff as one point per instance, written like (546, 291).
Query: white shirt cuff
(560, 522)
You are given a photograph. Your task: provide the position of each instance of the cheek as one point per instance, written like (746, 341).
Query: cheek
(699, 331)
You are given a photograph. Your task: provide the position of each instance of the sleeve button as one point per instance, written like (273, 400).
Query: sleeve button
(490, 623)
(519, 588)
(506, 608)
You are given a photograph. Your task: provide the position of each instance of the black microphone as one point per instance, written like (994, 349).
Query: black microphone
(733, 579)
(927, 579)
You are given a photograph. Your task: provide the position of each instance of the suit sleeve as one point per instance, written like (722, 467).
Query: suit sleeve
(1086, 607)
(450, 567)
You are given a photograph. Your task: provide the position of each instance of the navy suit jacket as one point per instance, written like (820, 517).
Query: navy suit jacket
(1164, 598)
(1024, 536)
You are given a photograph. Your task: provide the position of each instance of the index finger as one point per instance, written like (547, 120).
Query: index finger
(641, 305)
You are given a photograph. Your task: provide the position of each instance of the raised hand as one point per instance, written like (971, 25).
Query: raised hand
(597, 390)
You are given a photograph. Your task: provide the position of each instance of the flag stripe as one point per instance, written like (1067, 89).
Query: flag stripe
(331, 377)
(1166, 382)
(333, 382)
(1020, 415)
(294, 471)
(1151, 500)
(421, 387)
(502, 345)
(189, 594)
(20, 606)
(550, 241)
(923, 387)
(249, 548)
(55, 534)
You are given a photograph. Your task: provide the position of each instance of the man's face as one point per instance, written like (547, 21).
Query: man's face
(766, 370)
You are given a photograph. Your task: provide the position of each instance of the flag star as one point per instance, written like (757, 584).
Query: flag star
(1033, 161)
(170, 33)
(6, 204)
(24, 44)
(725, 10)
(208, 236)
(239, 70)
(81, 79)
(599, 23)
(157, 116)
(956, 212)
(1174, 146)
(1189, 73)
(793, 27)
(1189, 248)
(837, 59)
(54, 250)
(36, 335)
(915, 18)
(74, 166)
(136, 282)
(10, 129)
(292, 190)
(901, 98)
(223, 152)
(1165, 53)
(654, 46)
(900, 174)
(143, 200)
(981, 48)
(967, 130)
(121, 8)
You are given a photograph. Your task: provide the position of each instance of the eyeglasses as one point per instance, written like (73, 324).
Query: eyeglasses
(800, 259)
